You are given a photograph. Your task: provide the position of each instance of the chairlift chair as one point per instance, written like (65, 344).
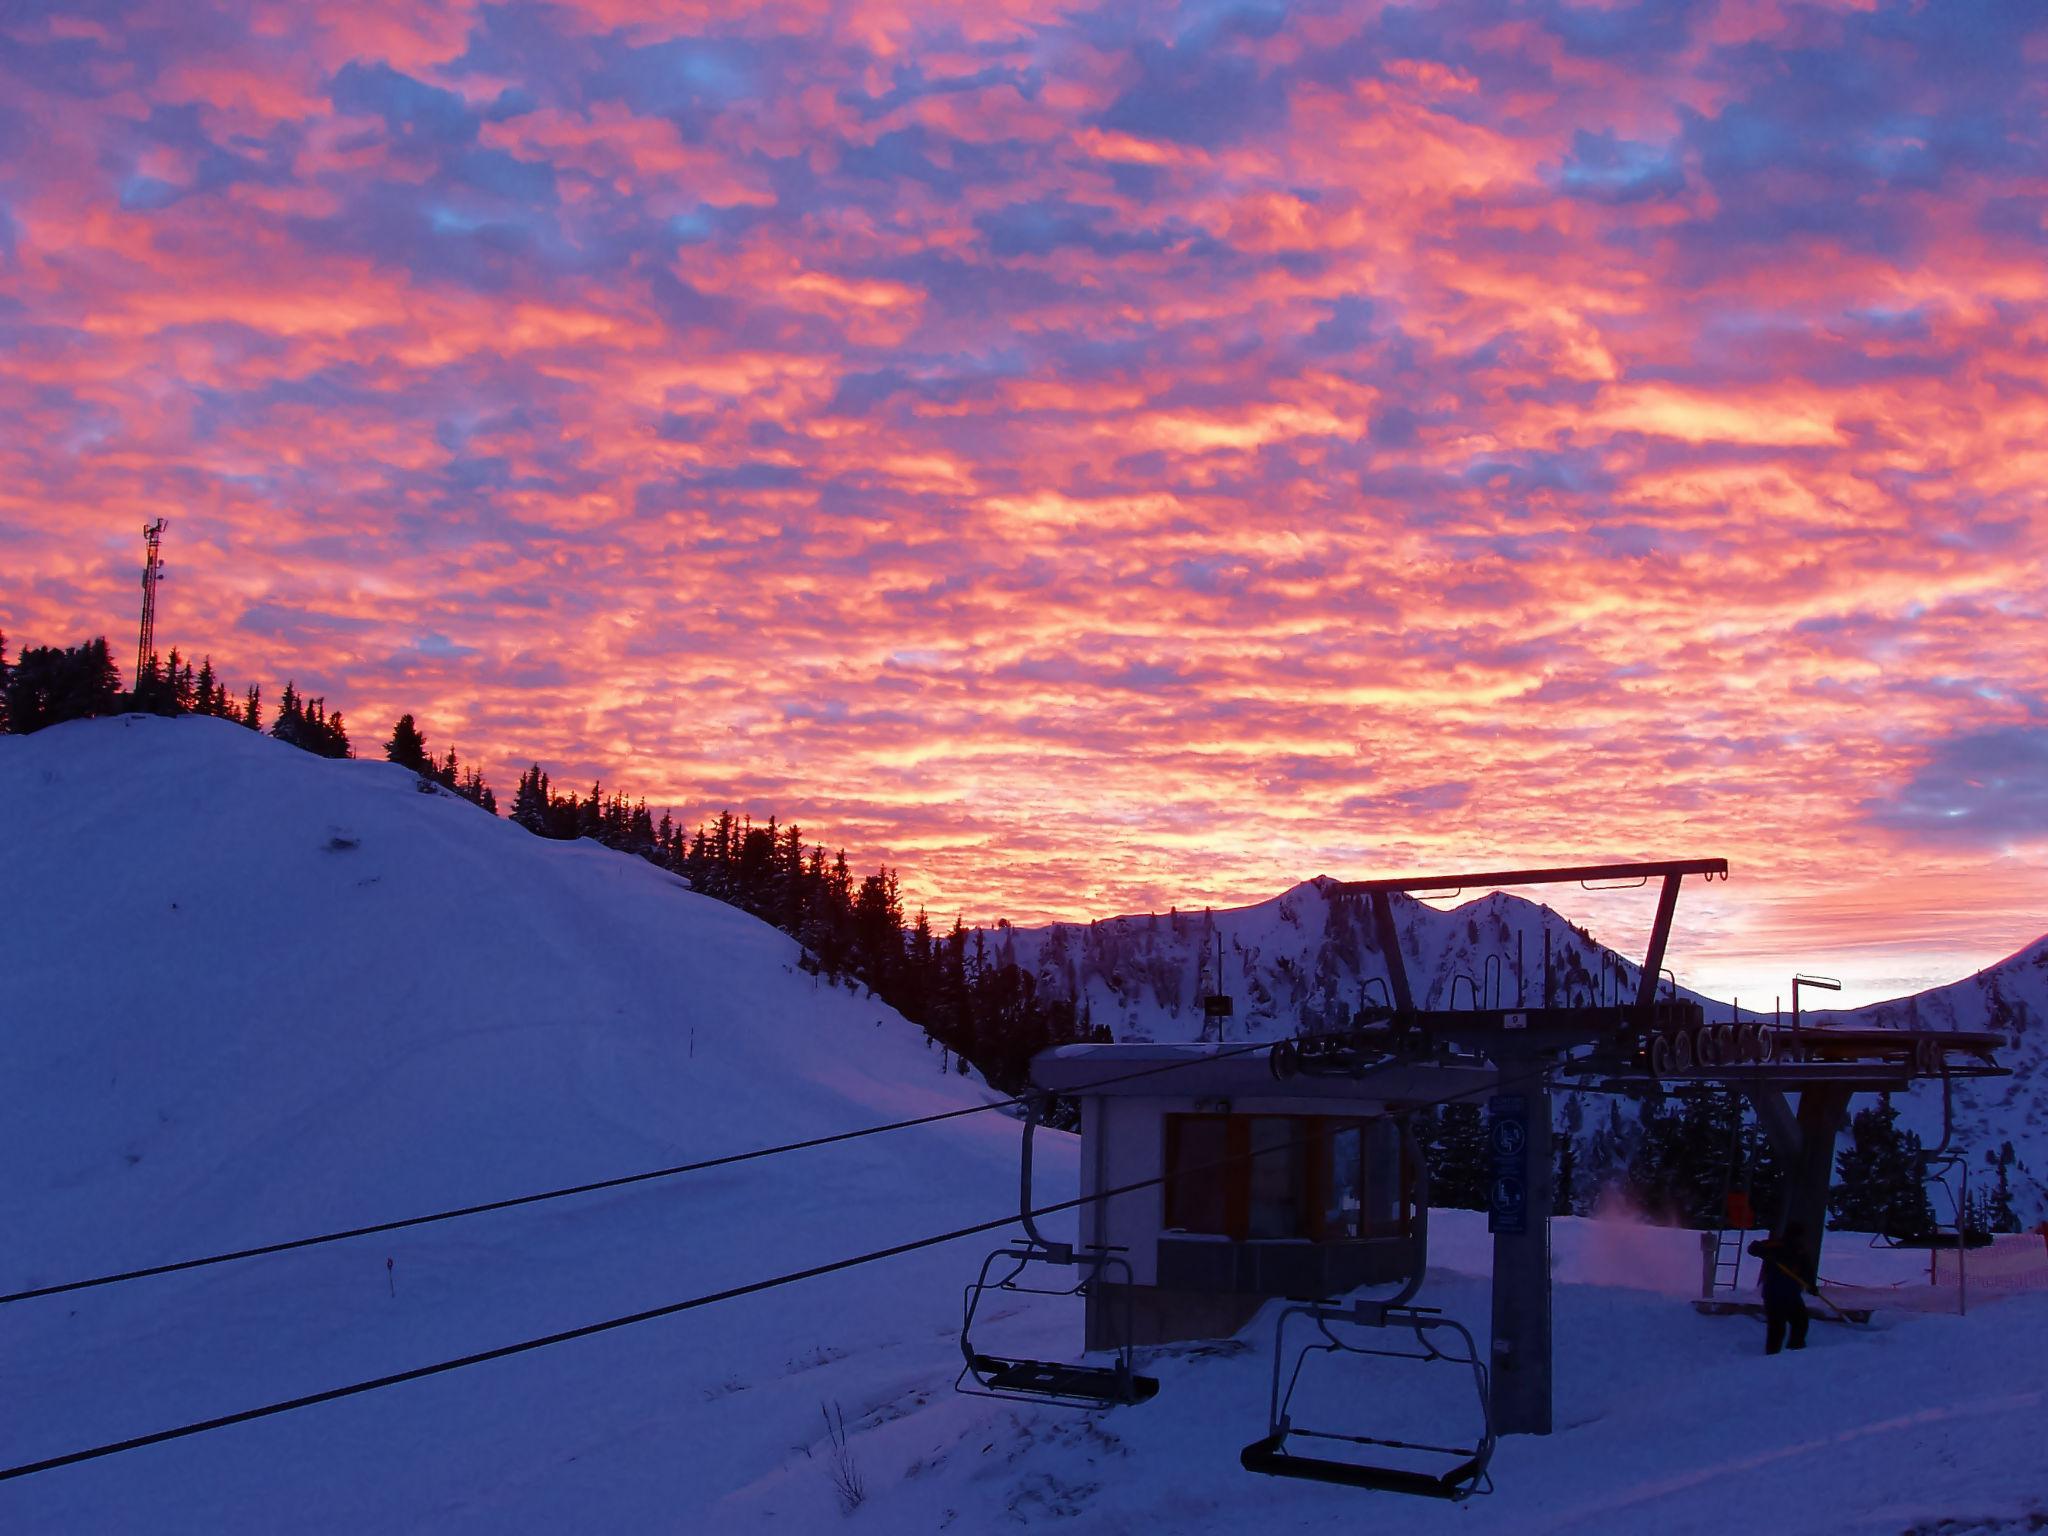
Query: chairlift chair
(1096, 1271)
(1456, 1471)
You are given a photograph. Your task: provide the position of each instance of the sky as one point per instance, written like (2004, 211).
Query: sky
(1094, 458)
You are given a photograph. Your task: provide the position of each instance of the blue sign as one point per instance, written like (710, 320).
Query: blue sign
(1507, 1139)
(1507, 1204)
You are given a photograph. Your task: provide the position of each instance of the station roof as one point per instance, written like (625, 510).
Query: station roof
(1233, 1070)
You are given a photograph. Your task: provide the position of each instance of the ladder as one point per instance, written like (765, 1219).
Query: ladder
(1727, 1260)
(1736, 1219)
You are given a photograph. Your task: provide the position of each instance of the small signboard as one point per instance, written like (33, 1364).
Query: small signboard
(1507, 1139)
(1507, 1205)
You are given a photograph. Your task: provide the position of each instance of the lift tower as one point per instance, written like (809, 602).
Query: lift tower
(1525, 1047)
(152, 573)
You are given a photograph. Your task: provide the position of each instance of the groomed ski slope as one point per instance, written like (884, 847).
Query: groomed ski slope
(246, 993)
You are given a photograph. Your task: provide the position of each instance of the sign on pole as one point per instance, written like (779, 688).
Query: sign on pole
(1507, 1139)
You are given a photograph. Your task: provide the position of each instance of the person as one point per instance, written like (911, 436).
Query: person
(1788, 1275)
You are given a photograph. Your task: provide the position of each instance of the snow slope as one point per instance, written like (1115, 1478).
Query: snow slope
(246, 993)
(1290, 962)
(250, 993)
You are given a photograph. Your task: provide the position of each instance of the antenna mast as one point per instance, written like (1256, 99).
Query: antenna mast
(152, 573)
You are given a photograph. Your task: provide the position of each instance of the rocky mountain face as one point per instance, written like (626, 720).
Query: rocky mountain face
(1305, 959)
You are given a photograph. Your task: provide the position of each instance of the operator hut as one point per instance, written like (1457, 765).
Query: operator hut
(1254, 1187)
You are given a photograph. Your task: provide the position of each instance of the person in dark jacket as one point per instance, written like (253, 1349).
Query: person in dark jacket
(1788, 1277)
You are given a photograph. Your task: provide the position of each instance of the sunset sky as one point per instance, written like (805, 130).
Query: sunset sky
(1095, 458)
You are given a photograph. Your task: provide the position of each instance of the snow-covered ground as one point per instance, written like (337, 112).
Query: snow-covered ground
(246, 993)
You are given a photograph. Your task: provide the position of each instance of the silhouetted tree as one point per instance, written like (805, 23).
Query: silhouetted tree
(290, 724)
(530, 801)
(1878, 1177)
(47, 686)
(407, 747)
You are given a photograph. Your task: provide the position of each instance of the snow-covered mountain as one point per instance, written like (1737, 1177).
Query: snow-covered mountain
(2010, 997)
(1295, 961)
(246, 994)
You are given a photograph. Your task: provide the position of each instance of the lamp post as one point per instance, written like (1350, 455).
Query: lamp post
(1825, 983)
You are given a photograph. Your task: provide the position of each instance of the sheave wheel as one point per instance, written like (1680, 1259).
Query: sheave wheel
(1660, 1055)
(1681, 1052)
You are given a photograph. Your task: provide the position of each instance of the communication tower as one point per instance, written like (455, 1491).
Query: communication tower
(152, 573)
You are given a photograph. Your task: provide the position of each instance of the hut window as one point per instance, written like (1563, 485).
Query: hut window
(1283, 1176)
(1344, 1190)
(1362, 1195)
(1198, 1184)
(1277, 1191)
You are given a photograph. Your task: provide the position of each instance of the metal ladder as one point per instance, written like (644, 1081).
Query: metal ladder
(1727, 1259)
(1728, 1240)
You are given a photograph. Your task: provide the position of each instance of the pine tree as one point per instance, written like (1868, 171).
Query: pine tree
(290, 724)
(4, 726)
(530, 801)
(1878, 1177)
(252, 708)
(154, 693)
(479, 793)
(1999, 1215)
(47, 686)
(1460, 1162)
(407, 747)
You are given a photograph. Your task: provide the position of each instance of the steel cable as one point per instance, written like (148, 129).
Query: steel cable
(670, 1309)
(621, 1181)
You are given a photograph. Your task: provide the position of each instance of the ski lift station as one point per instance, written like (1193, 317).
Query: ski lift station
(1264, 1188)
(1217, 1176)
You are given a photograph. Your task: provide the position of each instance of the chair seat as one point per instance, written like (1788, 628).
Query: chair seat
(1047, 1378)
(1271, 1457)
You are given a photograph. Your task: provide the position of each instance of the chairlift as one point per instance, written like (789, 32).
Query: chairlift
(1021, 1269)
(1454, 1472)
(1451, 1472)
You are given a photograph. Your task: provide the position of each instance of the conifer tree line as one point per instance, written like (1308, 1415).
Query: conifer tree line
(408, 748)
(48, 685)
(1681, 1155)
(979, 1011)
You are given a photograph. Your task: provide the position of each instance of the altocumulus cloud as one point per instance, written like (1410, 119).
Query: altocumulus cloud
(1982, 788)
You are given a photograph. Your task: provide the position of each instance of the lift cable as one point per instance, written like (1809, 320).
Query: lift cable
(621, 1181)
(712, 1298)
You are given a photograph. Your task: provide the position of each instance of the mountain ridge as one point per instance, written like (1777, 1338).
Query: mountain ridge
(1303, 959)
